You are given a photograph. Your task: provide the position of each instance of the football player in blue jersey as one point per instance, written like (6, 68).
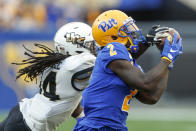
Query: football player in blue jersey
(117, 78)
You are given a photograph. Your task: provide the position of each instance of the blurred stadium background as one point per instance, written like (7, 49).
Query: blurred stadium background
(36, 21)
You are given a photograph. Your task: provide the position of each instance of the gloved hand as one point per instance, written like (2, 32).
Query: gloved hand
(155, 32)
(171, 51)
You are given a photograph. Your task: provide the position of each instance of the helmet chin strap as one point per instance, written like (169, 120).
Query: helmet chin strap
(133, 46)
(134, 49)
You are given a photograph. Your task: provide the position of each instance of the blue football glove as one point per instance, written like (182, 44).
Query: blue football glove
(171, 51)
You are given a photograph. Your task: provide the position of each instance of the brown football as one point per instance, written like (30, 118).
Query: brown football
(169, 34)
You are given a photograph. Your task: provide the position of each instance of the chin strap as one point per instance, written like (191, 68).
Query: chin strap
(134, 49)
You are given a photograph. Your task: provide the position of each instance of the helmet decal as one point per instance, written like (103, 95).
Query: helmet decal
(74, 38)
(116, 26)
(106, 26)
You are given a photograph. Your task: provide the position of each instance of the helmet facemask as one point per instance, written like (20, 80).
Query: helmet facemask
(133, 33)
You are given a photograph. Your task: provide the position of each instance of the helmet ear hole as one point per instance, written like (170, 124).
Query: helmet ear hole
(114, 37)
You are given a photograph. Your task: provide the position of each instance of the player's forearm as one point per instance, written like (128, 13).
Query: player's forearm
(153, 96)
(161, 87)
(156, 75)
(134, 78)
(145, 98)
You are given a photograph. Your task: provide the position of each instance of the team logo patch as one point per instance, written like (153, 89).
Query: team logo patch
(107, 25)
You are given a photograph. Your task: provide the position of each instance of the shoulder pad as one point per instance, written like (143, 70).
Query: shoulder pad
(73, 62)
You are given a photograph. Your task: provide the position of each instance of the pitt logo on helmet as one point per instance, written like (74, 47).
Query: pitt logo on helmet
(106, 26)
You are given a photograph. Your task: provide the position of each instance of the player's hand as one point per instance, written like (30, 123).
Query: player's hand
(172, 51)
(155, 32)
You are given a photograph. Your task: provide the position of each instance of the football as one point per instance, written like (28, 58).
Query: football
(170, 35)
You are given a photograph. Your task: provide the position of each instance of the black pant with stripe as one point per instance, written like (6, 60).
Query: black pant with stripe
(14, 121)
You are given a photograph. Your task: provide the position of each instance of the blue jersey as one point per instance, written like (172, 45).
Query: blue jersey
(107, 99)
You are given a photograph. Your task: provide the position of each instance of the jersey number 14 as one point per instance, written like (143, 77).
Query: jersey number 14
(50, 82)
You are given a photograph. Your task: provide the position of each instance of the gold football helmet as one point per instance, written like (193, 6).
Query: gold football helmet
(116, 26)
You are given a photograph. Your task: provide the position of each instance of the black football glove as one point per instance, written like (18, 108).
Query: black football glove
(155, 32)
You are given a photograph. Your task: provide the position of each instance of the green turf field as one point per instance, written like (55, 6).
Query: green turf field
(143, 125)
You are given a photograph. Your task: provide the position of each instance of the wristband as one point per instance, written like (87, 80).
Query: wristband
(165, 58)
(171, 65)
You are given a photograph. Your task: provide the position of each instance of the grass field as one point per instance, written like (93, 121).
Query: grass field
(143, 125)
(151, 120)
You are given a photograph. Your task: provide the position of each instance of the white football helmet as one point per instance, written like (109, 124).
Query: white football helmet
(74, 38)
